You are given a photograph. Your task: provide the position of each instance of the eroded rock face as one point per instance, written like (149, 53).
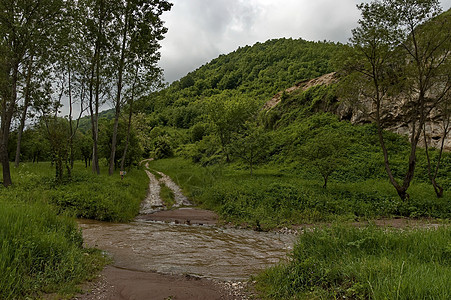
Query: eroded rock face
(394, 120)
(363, 111)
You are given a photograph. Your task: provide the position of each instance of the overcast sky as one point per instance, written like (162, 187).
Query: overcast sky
(201, 30)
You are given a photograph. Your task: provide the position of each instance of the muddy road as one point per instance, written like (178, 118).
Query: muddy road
(178, 254)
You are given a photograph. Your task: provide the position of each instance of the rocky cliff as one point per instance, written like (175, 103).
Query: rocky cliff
(362, 111)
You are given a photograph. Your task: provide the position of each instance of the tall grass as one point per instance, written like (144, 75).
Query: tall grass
(86, 195)
(40, 244)
(274, 198)
(41, 252)
(368, 263)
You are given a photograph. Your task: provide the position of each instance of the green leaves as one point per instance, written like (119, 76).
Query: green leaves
(326, 152)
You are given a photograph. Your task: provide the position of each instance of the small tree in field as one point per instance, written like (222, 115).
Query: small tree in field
(325, 153)
(228, 113)
(251, 145)
(57, 133)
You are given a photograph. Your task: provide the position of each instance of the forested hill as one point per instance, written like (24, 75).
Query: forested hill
(257, 71)
(262, 69)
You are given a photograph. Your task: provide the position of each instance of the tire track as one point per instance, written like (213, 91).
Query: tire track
(153, 201)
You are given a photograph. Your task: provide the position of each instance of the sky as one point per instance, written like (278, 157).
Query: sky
(201, 30)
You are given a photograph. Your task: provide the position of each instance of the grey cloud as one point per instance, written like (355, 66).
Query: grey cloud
(200, 30)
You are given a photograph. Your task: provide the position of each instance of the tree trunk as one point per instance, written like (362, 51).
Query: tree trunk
(399, 189)
(7, 114)
(432, 177)
(129, 125)
(118, 97)
(95, 151)
(71, 129)
(5, 162)
(95, 75)
(24, 112)
(325, 181)
(91, 111)
(58, 168)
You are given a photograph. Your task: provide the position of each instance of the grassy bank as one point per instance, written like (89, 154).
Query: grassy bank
(273, 197)
(104, 198)
(41, 252)
(369, 263)
(40, 245)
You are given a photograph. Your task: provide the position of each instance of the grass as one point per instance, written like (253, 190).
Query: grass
(369, 263)
(40, 244)
(104, 198)
(167, 196)
(41, 252)
(273, 198)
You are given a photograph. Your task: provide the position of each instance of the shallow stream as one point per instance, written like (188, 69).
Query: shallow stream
(207, 251)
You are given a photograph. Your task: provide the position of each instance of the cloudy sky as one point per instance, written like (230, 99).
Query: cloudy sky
(201, 30)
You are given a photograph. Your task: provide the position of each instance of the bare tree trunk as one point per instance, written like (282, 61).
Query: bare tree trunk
(91, 110)
(24, 112)
(5, 160)
(433, 177)
(95, 75)
(95, 151)
(7, 114)
(379, 96)
(127, 141)
(129, 125)
(71, 130)
(118, 96)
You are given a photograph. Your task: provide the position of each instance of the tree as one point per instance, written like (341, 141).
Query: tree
(27, 100)
(23, 24)
(250, 145)
(325, 152)
(400, 59)
(141, 29)
(228, 113)
(134, 154)
(96, 17)
(57, 132)
(444, 111)
(85, 145)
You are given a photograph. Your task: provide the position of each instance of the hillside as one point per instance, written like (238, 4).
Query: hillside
(256, 72)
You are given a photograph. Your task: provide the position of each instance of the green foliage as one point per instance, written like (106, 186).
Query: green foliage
(228, 113)
(278, 195)
(85, 122)
(100, 197)
(206, 151)
(363, 263)
(255, 72)
(134, 152)
(40, 251)
(56, 131)
(300, 104)
(326, 152)
(262, 69)
(197, 132)
(251, 145)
